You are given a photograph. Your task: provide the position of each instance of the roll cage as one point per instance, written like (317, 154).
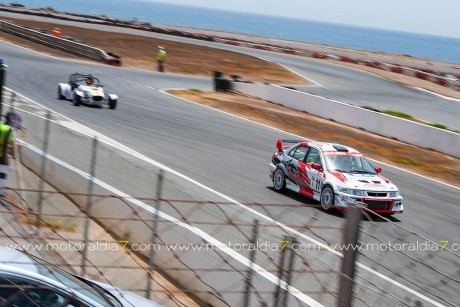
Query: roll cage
(78, 79)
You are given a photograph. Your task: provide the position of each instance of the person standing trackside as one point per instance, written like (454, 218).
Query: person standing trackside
(6, 147)
(161, 55)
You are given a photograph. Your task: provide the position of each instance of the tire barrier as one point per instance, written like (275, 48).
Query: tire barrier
(318, 55)
(232, 43)
(397, 69)
(113, 61)
(421, 75)
(262, 47)
(346, 59)
(289, 51)
(443, 82)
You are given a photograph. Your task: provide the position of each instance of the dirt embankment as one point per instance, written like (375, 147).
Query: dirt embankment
(139, 52)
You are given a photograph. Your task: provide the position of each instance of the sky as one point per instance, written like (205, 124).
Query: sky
(420, 16)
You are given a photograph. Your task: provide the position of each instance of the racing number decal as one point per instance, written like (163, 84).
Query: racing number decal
(316, 183)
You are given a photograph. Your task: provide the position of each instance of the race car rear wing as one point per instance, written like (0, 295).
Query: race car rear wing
(280, 147)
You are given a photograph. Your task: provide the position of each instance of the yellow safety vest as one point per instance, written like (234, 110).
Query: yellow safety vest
(161, 55)
(6, 139)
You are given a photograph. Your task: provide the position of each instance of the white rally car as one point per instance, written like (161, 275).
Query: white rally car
(86, 89)
(334, 175)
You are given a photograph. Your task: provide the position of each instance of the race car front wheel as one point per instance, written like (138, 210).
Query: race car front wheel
(60, 96)
(76, 100)
(327, 197)
(112, 104)
(279, 180)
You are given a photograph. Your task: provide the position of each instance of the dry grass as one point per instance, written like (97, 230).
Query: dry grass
(423, 161)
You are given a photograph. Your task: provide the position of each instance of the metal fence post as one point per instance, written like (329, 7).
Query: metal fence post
(252, 257)
(89, 202)
(43, 172)
(350, 239)
(289, 274)
(154, 233)
(280, 274)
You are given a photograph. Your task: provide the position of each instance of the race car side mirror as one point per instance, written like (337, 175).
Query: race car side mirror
(317, 167)
(279, 145)
(378, 169)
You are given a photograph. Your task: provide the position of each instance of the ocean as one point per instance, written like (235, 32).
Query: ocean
(418, 45)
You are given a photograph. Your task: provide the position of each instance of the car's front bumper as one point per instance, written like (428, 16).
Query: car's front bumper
(92, 102)
(381, 205)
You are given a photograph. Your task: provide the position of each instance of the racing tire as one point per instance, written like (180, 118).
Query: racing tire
(76, 100)
(112, 104)
(60, 96)
(327, 198)
(279, 181)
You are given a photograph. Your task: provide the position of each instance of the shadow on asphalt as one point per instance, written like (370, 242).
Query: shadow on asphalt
(309, 202)
(334, 212)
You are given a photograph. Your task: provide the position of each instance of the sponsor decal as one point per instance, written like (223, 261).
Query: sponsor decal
(342, 153)
(374, 185)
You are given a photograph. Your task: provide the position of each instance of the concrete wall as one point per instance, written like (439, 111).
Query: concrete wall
(379, 123)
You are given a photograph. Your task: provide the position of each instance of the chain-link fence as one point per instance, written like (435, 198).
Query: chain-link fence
(99, 210)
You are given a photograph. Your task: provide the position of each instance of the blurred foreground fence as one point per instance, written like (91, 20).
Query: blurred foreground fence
(218, 252)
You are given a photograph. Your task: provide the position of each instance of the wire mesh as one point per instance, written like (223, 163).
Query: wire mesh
(202, 241)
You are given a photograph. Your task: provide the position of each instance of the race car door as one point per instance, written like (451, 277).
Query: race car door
(313, 171)
(293, 166)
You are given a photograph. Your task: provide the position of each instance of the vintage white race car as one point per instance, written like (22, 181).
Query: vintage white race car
(86, 89)
(334, 175)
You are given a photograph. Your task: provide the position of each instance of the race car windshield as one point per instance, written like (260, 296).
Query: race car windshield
(349, 164)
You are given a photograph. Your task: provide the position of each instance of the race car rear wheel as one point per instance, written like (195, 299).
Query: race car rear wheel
(112, 104)
(327, 197)
(60, 96)
(76, 100)
(279, 180)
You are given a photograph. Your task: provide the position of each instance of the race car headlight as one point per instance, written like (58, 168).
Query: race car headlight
(353, 192)
(394, 194)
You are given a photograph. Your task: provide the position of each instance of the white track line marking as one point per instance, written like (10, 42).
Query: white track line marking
(22, 47)
(435, 94)
(302, 137)
(291, 70)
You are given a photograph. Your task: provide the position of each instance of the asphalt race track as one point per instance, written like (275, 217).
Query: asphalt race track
(226, 153)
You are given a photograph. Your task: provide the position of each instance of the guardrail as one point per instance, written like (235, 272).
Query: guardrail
(401, 129)
(59, 43)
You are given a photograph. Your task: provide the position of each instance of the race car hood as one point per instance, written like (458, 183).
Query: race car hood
(91, 90)
(367, 182)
